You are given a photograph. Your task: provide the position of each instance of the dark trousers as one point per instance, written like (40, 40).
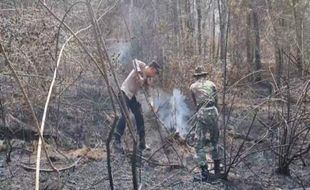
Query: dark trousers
(135, 108)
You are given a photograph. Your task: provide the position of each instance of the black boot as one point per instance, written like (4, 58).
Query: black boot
(204, 173)
(204, 177)
(143, 145)
(217, 169)
(117, 145)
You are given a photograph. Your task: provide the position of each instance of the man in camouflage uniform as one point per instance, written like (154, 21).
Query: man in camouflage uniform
(205, 99)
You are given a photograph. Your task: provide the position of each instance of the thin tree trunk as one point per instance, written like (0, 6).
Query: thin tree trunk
(257, 62)
(249, 51)
(222, 15)
(298, 31)
(181, 28)
(199, 16)
(176, 24)
(225, 86)
(213, 36)
(135, 30)
(223, 19)
(279, 54)
(279, 60)
(109, 152)
(278, 50)
(188, 30)
(103, 55)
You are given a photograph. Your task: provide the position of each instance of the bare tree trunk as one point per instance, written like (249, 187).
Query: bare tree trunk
(109, 152)
(188, 29)
(213, 36)
(298, 31)
(224, 21)
(249, 50)
(285, 142)
(190, 8)
(279, 60)
(181, 27)
(155, 49)
(257, 62)
(135, 30)
(198, 5)
(225, 85)
(103, 55)
(278, 54)
(222, 18)
(176, 24)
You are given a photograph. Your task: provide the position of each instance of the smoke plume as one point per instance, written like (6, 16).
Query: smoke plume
(173, 111)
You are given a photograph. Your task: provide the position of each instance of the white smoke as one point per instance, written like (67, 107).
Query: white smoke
(173, 111)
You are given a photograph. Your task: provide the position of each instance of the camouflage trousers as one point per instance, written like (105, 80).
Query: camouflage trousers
(207, 133)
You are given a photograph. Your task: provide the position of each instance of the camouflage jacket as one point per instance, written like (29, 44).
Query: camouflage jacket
(204, 93)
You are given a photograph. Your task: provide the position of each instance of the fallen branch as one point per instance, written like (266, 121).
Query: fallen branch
(50, 170)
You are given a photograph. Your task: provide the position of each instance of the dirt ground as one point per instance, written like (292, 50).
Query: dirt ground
(172, 167)
(256, 172)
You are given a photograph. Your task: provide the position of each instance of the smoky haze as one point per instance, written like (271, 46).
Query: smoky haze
(173, 111)
(136, 34)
